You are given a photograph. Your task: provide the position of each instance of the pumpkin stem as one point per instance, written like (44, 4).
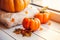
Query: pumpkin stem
(43, 9)
(32, 18)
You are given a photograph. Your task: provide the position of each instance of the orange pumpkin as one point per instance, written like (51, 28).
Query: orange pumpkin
(43, 17)
(31, 24)
(13, 5)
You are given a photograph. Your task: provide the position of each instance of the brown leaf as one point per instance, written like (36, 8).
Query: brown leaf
(41, 29)
(12, 20)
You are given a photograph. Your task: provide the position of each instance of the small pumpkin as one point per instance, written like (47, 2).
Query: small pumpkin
(43, 16)
(13, 5)
(31, 24)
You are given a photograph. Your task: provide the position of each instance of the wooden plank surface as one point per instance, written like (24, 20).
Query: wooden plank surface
(4, 36)
(20, 37)
(49, 32)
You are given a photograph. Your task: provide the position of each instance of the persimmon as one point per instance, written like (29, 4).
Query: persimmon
(31, 24)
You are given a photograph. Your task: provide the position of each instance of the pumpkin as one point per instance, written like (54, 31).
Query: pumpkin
(13, 5)
(31, 24)
(43, 16)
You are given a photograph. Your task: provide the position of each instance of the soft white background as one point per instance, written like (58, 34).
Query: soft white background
(54, 4)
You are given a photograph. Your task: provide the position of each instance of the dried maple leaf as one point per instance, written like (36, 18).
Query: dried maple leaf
(17, 31)
(12, 20)
(49, 23)
(30, 6)
(26, 12)
(41, 29)
(26, 33)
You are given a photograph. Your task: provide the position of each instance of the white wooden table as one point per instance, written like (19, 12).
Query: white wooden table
(49, 32)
